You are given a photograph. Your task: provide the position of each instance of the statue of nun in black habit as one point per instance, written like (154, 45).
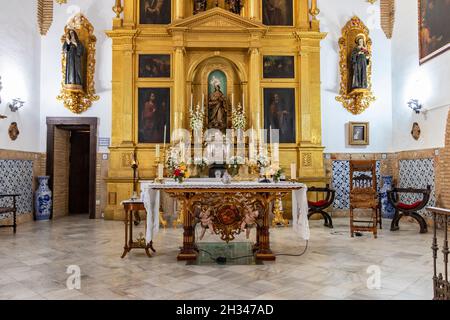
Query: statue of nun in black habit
(74, 51)
(360, 60)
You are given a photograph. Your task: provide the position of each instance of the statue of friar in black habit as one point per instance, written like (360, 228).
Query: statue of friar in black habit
(74, 51)
(360, 60)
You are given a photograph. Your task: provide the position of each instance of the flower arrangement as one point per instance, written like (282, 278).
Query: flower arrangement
(180, 172)
(201, 162)
(173, 158)
(196, 117)
(238, 118)
(262, 161)
(275, 171)
(234, 164)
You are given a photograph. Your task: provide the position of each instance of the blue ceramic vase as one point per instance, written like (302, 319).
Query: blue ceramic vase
(43, 200)
(387, 210)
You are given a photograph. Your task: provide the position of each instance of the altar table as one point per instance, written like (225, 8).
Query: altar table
(228, 207)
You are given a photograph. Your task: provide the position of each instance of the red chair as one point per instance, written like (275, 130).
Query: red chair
(409, 209)
(320, 206)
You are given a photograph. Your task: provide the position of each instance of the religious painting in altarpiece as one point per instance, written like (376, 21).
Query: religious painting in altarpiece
(153, 114)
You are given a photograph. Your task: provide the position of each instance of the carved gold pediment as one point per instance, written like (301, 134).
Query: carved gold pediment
(217, 20)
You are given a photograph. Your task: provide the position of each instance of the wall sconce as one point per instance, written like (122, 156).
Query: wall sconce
(415, 105)
(16, 104)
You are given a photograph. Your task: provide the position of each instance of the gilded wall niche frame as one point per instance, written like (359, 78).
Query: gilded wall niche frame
(355, 52)
(77, 86)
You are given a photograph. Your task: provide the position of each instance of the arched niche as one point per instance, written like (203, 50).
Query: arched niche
(200, 77)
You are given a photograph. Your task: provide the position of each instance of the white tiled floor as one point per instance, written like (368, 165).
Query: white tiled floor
(33, 265)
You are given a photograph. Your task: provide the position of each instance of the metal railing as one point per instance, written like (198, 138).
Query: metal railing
(441, 285)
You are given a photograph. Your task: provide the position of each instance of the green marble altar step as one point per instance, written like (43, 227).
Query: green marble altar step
(235, 253)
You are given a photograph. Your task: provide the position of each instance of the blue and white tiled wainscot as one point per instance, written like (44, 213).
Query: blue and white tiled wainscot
(17, 176)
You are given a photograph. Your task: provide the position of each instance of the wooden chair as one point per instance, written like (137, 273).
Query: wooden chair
(364, 195)
(9, 208)
(320, 205)
(409, 210)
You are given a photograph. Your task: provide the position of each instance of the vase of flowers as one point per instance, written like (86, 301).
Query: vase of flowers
(234, 164)
(275, 172)
(180, 172)
(262, 161)
(201, 164)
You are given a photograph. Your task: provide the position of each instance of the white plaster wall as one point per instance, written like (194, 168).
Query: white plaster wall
(429, 82)
(100, 14)
(334, 15)
(19, 71)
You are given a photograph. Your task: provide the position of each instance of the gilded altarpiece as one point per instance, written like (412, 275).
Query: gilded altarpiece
(215, 39)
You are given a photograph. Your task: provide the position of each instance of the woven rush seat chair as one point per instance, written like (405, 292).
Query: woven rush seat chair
(319, 206)
(364, 195)
(409, 209)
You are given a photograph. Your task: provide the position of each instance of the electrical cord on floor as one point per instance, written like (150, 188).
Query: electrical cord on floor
(223, 260)
(294, 255)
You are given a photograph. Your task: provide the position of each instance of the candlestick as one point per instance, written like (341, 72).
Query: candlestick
(293, 171)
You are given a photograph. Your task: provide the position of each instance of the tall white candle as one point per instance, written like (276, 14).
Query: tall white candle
(157, 151)
(160, 171)
(243, 103)
(192, 100)
(165, 129)
(232, 100)
(293, 171)
(257, 121)
(203, 101)
(270, 135)
(182, 151)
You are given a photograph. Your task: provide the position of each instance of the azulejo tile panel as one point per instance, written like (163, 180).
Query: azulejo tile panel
(341, 182)
(16, 176)
(418, 174)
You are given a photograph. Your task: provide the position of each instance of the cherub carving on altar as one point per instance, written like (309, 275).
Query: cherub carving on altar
(251, 215)
(206, 221)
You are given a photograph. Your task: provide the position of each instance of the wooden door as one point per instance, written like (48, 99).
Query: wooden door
(79, 172)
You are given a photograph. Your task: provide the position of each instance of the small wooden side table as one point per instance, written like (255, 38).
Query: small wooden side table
(130, 207)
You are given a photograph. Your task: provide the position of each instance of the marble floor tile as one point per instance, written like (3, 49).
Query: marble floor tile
(34, 265)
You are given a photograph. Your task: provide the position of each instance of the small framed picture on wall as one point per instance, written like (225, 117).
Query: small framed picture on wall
(358, 133)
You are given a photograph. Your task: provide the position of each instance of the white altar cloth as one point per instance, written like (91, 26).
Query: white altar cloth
(150, 195)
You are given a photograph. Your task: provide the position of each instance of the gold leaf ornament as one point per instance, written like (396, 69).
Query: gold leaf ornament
(75, 99)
